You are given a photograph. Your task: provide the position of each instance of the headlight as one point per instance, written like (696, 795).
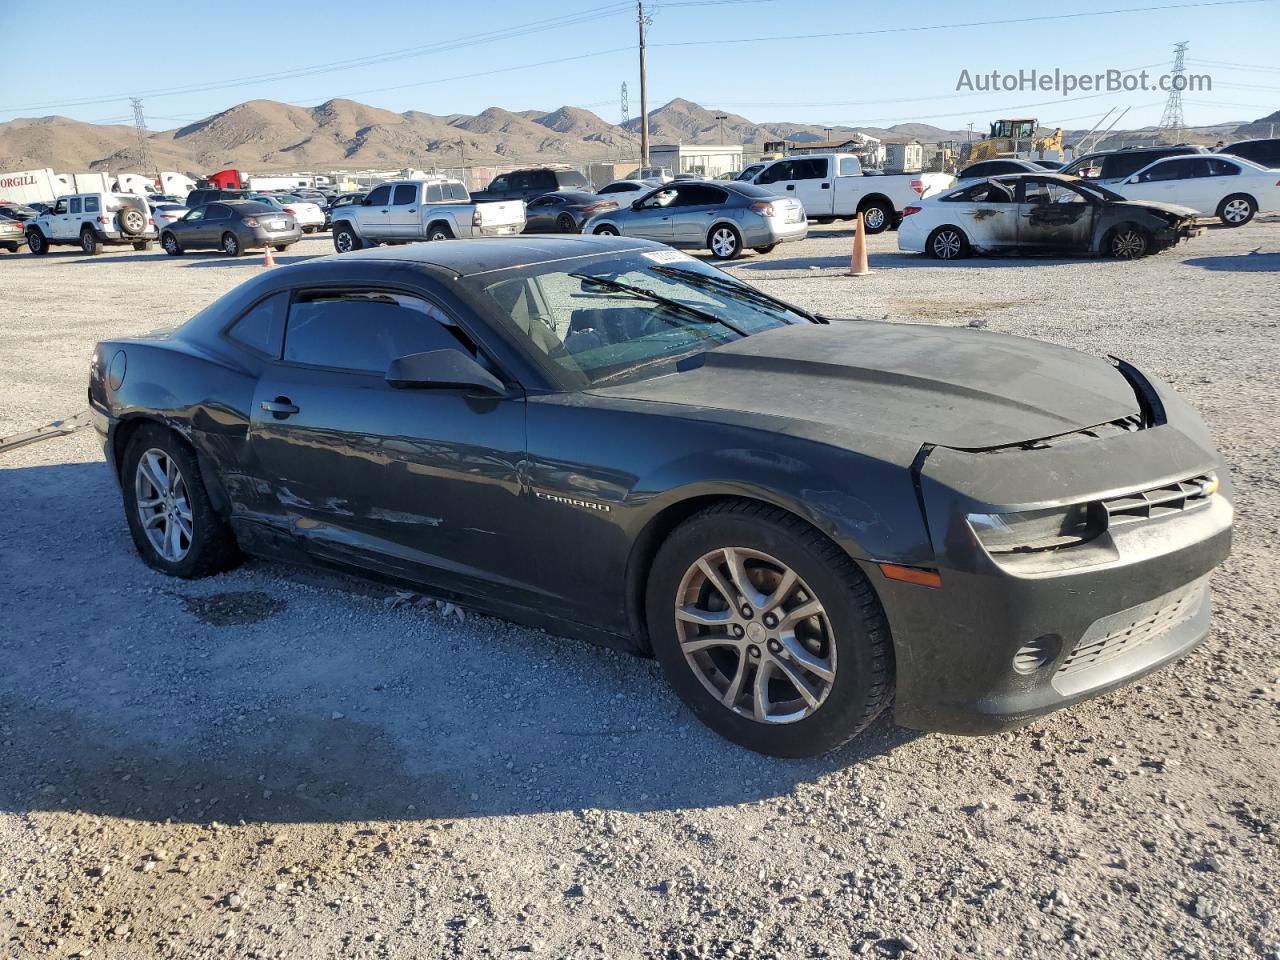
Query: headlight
(1037, 529)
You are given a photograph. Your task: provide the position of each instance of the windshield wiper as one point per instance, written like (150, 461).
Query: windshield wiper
(644, 294)
(728, 286)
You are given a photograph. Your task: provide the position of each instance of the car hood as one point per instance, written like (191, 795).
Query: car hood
(1173, 208)
(908, 384)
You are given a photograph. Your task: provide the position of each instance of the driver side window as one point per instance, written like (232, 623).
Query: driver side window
(380, 196)
(363, 331)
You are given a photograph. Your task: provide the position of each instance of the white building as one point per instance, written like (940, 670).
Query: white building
(705, 160)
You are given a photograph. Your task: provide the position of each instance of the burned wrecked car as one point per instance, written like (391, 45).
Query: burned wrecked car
(803, 520)
(1041, 214)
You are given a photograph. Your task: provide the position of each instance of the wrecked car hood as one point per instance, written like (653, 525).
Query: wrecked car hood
(1156, 205)
(907, 383)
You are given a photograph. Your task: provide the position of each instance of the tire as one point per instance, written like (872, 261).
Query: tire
(9, 247)
(89, 242)
(142, 245)
(767, 249)
(1237, 210)
(876, 217)
(308, 230)
(37, 244)
(439, 231)
(606, 231)
(345, 240)
(724, 242)
(202, 542)
(947, 243)
(171, 245)
(848, 638)
(566, 224)
(231, 244)
(133, 222)
(1128, 242)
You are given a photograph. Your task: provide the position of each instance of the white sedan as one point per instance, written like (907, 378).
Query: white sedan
(1230, 188)
(166, 213)
(309, 215)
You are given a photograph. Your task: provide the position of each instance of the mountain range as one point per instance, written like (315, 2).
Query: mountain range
(266, 136)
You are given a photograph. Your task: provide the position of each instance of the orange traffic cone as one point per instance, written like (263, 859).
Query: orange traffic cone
(267, 259)
(858, 261)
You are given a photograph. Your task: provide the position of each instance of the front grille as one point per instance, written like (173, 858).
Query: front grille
(1158, 501)
(1142, 625)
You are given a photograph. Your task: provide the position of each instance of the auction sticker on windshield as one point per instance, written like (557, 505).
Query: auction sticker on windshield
(666, 256)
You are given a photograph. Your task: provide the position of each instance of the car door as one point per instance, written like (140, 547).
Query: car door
(1053, 217)
(540, 214)
(651, 219)
(779, 176)
(421, 483)
(58, 219)
(188, 229)
(811, 177)
(375, 213)
(405, 217)
(1171, 181)
(986, 212)
(216, 222)
(694, 210)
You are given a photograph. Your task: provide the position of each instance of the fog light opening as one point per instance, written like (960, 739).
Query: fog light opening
(1036, 654)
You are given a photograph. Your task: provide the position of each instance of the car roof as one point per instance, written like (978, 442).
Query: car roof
(484, 254)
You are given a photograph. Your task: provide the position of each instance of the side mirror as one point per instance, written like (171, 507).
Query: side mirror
(636, 204)
(364, 201)
(443, 369)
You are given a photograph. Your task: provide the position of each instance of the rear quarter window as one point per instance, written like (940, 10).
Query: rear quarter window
(261, 329)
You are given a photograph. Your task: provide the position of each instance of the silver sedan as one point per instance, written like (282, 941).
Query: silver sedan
(722, 217)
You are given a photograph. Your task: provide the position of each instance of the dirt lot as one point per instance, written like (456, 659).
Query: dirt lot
(273, 763)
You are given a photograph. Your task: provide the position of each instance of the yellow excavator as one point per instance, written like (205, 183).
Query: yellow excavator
(1017, 138)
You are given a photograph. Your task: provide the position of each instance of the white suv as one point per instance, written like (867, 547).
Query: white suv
(91, 220)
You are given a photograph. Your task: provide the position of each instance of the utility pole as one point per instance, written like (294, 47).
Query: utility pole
(140, 126)
(644, 90)
(827, 131)
(722, 117)
(626, 109)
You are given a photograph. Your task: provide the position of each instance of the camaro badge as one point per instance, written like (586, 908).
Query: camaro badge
(572, 501)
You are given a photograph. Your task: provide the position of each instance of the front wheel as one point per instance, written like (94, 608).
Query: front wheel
(171, 245)
(947, 243)
(37, 244)
(345, 240)
(173, 524)
(768, 631)
(1237, 210)
(606, 231)
(724, 242)
(1129, 243)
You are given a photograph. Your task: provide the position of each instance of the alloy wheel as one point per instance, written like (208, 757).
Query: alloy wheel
(755, 635)
(170, 244)
(164, 510)
(723, 242)
(1128, 244)
(343, 242)
(1236, 211)
(946, 245)
(230, 245)
(873, 218)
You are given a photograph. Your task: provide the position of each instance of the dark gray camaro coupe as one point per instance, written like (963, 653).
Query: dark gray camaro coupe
(803, 520)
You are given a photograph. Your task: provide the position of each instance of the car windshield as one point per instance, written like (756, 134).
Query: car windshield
(628, 316)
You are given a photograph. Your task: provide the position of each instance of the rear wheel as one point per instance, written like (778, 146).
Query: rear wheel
(231, 244)
(89, 241)
(876, 217)
(724, 242)
(1129, 243)
(345, 240)
(174, 526)
(142, 245)
(1237, 210)
(37, 244)
(947, 243)
(566, 224)
(439, 231)
(171, 245)
(768, 631)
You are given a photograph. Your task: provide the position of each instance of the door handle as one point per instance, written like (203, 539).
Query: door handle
(826, 186)
(413, 209)
(791, 186)
(279, 408)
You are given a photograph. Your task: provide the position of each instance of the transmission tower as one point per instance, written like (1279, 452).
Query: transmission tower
(1171, 123)
(140, 125)
(626, 110)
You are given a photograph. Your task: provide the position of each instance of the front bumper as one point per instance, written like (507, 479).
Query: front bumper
(1105, 612)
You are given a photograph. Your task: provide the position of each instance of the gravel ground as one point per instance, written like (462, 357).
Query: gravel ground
(276, 763)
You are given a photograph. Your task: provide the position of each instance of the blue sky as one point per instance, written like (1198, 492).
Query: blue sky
(902, 73)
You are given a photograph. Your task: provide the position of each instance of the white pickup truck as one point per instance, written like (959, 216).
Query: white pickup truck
(405, 211)
(832, 185)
